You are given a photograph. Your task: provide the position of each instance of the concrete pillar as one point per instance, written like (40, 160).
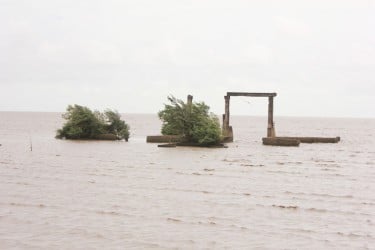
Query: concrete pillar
(226, 115)
(270, 126)
(223, 122)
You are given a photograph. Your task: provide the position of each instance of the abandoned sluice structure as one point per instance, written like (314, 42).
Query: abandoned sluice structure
(227, 130)
(271, 138)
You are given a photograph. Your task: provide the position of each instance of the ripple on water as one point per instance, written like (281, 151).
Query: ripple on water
(134, 196)
(26, 205)
(174, 220)
(286, 207)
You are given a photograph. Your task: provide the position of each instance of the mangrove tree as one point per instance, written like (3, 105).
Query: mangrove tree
(192, 121)
(82, 123)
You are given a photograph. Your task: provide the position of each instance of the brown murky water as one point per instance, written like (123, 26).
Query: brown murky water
(118, 195)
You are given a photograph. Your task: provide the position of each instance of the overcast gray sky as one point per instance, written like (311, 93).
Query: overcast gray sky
(319, 56)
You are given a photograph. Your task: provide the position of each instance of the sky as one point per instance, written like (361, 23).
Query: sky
(318, 55)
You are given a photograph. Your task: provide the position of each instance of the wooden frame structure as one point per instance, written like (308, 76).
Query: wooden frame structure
(227, 129)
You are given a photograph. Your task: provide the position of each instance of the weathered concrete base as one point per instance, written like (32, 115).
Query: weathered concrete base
(108, 137)
(279, 141)
(163, 138)
(172, 141)
(227, 135)
(295, 141)
(101, 137)
(313, 139)
(192, 144)
(168, 145)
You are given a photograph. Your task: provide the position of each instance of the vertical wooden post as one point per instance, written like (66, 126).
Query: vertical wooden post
(270, 127)
(189, 100)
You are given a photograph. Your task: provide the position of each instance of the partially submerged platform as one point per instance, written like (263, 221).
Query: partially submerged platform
(313, 139)
(295, 141)
(276, 141)
(163, 138)
(172, 141)
(167, 145)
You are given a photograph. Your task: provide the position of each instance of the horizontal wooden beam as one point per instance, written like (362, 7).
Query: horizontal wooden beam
(251, 94)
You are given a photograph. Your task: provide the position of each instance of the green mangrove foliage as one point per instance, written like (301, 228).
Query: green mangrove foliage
(82, 123)
(191, 121)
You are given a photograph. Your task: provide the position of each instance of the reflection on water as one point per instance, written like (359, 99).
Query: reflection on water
(117, 195)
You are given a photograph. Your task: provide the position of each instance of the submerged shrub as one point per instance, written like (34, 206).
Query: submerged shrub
(82, 123)
(191, 121)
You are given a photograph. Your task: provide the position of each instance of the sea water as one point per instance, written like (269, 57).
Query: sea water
(62, 194)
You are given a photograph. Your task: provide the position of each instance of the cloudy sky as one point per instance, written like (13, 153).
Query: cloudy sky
(318, 55)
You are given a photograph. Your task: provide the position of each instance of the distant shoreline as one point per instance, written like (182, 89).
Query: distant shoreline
(232, 115)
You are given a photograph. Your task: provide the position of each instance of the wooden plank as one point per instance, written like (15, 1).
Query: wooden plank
(252, 94)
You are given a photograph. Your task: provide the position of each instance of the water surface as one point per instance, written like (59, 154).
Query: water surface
(120, 195)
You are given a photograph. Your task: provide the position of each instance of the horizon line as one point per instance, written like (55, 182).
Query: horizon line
(131, 113)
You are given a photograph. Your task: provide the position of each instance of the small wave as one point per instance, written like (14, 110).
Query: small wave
(239, 227)
(328, 169)
(26, 205)
(355, 235)
(107, 212)
(301, 230)
(207, 223)
(235, 160)
(335, 165)
(368, 203)
(285, 172)
(322, 210)
(252, 165)
(320, 195)
(323, 161)
(173, 219)
(23, 183)
(335, 196)
(209, 169)
(319, 210)
(285, 207)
